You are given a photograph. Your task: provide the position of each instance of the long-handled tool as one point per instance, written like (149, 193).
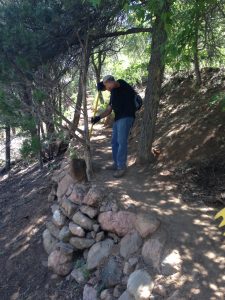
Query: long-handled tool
(95, 110)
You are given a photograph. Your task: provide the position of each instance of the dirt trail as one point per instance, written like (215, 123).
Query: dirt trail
(192, 228)
(24, 210)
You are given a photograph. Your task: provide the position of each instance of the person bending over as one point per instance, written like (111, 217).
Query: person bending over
(123, 105)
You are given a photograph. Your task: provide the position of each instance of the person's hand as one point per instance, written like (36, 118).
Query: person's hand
(95, 119)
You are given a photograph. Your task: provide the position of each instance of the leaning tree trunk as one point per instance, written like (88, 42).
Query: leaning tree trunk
(7, 148)
(153, 89)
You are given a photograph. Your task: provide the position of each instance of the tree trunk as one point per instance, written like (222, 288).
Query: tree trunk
(7, 148)
(195, 50)
(76, 117)
(84, 70)
(153, 89)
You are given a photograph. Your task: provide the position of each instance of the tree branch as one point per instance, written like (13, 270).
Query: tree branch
(118, 33)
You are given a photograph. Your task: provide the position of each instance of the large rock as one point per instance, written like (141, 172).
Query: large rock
(140, 285)
(58, 218)
(126, 296)
(111, 273)
(65, 234)
(153, 248)
(81, 243)
(68, 207)
(171, 264)
(49, 242)
(63, 185)
(120, 222)
(93, 197)
(89, 293)
(98, 252)
(89, 211)
(78, 194)
(54, 230)
(76, 229)
(146, 224)
(60, 263)
(130, 243)
(82, 220)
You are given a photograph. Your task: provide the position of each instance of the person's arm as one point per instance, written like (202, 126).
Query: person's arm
(104, 114)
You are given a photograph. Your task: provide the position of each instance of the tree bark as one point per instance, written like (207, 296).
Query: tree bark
(195, 50)
(153, 89)
(7, 148)
(85, 58)
(76, 117)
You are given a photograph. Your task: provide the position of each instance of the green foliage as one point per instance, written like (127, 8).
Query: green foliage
(218, 98)
(30, 148)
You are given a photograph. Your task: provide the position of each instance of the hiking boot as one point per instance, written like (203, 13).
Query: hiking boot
(119, 173)
(111, 167)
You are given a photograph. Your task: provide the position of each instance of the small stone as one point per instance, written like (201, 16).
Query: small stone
(126, 296)
(127, 269)
(171, 264)
(69, 190)
(140, 285)
(93, 234)
(106, 295)
(82, 220)
(85, 254)
(78, 194)
(51, 197)
(49, 242)
(81, 243)
(59, 263)
(78, 275)
(100, 236)
(160, 290)
(96, 227)
(68, 207)
(89, 211)
(65, 234)
(124, 280)
(120, 222)
(54, 207)
(58, 218)
(98, 252)
(130, 244)
(114, 237)
(54, 230)
(76, 230)
(89, 293)
(133, 261)
(66, 249)
(146, 224)
(153, 248)
(93, 197)
(117, 291)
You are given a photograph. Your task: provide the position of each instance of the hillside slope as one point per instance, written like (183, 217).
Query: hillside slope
(190, 133)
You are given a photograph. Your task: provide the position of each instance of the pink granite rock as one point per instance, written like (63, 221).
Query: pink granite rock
(120, 222)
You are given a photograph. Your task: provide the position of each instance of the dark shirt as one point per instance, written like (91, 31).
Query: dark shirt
(122, 100)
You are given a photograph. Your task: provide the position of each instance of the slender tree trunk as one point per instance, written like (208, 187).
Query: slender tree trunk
(196, 56)
(153, 90)
(84, 70)
(7, 148)
(76, 117)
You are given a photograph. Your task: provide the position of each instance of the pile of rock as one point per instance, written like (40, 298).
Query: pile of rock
(113, 246)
